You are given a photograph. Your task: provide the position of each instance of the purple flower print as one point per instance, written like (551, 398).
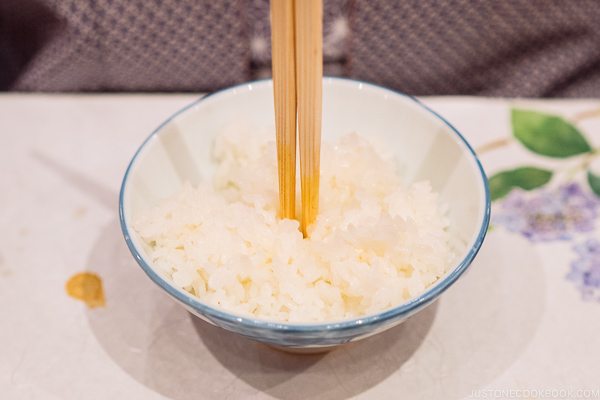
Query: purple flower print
(585, 270)
(548, 214)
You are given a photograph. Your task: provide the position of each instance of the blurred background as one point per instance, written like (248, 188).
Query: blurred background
(533, 48)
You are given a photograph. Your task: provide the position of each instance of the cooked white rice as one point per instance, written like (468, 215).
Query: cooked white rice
(376, 243)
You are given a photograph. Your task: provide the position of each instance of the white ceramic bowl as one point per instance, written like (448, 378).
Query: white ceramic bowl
(426, 145)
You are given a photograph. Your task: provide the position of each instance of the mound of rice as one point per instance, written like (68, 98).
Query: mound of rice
(376, 243)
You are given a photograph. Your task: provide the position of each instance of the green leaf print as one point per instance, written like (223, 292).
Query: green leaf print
(594, 181)
(526, 178)
(547, 135)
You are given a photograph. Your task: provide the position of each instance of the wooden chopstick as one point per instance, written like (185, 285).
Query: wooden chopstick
(284, 92)
(309, 82)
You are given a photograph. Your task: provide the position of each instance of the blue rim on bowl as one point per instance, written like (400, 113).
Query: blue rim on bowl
(404, 309)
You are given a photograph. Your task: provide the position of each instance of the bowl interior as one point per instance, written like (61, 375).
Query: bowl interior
(425, 146)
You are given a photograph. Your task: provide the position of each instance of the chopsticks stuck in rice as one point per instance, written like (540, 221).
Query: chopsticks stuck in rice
(296, 29)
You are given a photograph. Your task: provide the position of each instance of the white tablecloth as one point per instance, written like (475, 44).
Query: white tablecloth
(514, 326)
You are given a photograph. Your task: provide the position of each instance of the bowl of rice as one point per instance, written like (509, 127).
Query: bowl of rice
(404, 208)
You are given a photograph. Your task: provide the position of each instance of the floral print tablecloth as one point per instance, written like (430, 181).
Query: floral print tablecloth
(523, 322)
(558, 203)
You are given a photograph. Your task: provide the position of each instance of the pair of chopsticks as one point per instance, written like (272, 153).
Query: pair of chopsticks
(297, 61)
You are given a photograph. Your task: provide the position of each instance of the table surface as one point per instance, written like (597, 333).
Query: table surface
(525, 317)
